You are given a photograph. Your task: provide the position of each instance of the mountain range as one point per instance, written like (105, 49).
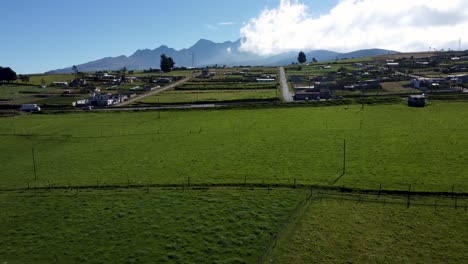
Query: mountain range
(207, 53)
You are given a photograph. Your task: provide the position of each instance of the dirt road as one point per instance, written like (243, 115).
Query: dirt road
(156, 91)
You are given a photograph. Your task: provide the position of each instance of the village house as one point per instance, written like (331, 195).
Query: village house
(417, 100)
(60, 84)
(266, 80)
(312, 94)
(78, 82)
(459, 79)
(419, 83)
(107, 99)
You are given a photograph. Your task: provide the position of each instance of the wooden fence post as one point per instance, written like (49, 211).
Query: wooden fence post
(409, 197)
(34, 164)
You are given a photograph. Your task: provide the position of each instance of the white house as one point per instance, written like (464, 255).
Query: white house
(425, 82)
(266, 80)
(107, 99)
(60, 84)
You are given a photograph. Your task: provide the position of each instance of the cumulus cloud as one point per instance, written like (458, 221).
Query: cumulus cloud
(403, 25)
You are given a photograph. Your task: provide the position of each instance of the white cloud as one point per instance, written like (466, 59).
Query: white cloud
(209, 26)
(220, 24)
(403, 25)
(226, 23)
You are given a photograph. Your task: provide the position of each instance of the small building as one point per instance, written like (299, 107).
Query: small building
(306, 96)
(423, 64)
(60, 84)
(81, 103)
(295, 78)
(303, 88)
(372, 84)
(459, 79)
(417, 100)
(78, 82)
(131, 79)
(349, 88)
(420, 83)
(164, 80)
(266, 80)
(107, 99)
(312, 94)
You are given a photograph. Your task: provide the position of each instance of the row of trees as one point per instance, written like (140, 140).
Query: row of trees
(7, 74)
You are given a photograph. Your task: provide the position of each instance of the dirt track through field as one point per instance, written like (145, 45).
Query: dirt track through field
(156, 91)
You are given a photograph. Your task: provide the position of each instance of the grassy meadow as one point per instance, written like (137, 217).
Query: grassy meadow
(50, 78)
(22, 94)
(333, 231)
(196, 96)
(141, 226)
(392, 145)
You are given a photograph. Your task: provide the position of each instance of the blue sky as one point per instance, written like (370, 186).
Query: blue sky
(48, 34)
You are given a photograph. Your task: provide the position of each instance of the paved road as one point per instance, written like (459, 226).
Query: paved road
(287, 95)
(156, 91)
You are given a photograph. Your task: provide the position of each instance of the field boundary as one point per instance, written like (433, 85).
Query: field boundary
(192, 186)
(287, 229)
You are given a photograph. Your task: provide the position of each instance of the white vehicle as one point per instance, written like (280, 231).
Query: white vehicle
(30, 108)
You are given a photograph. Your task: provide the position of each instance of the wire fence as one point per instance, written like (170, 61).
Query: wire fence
(406, 199)
(291, 225)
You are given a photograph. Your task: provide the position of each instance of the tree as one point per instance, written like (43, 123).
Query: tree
(123, 73)
(314, 59)
(301, 58)
(7, 74)
(23, 78)
(167, 63)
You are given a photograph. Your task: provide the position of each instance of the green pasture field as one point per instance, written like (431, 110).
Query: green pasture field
(225, 86)
(398, 87)
(333, 231)
(50, 78)
(392, 145)
(194, 96)
(141, 226)
(20, 94)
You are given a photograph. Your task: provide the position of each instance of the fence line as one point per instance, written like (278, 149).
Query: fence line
(245, 181)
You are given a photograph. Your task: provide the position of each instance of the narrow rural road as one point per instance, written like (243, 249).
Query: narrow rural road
(287, 95)
(159, 90)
